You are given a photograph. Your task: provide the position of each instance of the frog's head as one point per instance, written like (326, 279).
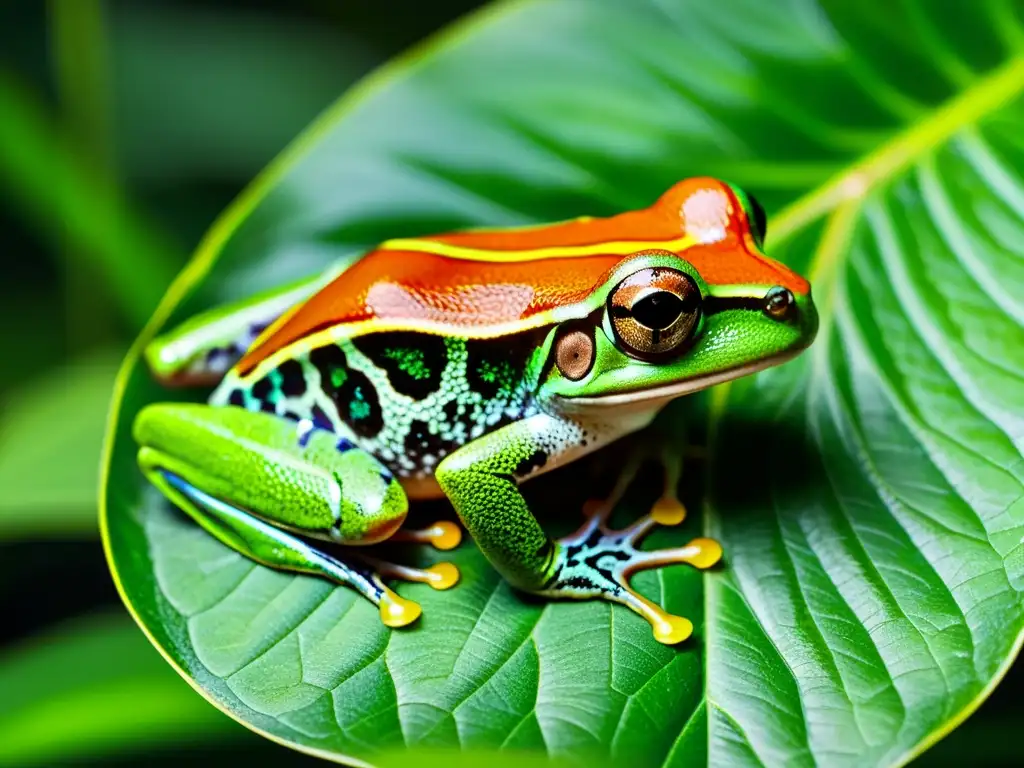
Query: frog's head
(661, 324)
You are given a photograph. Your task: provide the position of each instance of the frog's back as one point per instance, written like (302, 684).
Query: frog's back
(487, 283)
(421, 286)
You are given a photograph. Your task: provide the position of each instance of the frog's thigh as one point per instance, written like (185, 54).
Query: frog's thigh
(245, 476)
(201, 350)
(481, 480)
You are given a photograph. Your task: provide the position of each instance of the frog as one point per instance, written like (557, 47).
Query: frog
(463, 365)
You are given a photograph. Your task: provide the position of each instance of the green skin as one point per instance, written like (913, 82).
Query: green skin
(262, 463)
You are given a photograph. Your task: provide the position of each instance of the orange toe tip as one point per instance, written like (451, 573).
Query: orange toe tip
(442, 575)
(396, 611)
(707, 552)
(668, 511)
(445, 535)
(670, 629)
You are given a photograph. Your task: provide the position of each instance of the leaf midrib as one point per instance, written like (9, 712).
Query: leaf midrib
(984, 96)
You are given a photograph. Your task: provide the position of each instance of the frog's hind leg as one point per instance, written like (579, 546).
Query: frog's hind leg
(200, 351)
(279, 549)
(261, 485)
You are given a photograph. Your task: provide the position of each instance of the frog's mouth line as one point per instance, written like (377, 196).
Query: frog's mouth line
(645, 398)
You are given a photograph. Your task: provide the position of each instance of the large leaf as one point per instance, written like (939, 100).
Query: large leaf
(868, 496)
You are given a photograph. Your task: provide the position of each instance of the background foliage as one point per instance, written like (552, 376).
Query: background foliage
(124, 128)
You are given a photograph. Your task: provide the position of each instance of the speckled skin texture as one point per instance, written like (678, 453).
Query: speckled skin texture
(257, 462)
(407, 399)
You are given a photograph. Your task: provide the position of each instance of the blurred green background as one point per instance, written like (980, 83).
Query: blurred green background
(125, 128)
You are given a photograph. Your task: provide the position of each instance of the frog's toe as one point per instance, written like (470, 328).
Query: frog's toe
(396, 611)
(443, 535)
(668, 510)
(668, 628)
(700, 553)
(597, 562)
(439, 576)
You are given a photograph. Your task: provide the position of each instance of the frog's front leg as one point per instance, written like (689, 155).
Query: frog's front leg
(481, 480)
(253, 481)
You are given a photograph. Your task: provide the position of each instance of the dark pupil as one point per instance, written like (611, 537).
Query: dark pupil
(658, 310)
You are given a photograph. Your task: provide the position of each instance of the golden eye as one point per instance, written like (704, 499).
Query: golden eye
(655, 311)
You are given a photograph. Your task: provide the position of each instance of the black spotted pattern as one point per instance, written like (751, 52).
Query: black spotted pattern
(359, 406)
(262, 392)
(451, 412)
(261, 389)
(353, 393)
(529, 464)
(328, 360)
(419, 442)
(413, 362)
(320, 419)
(231, 353)
(293, 378)
(494, 366)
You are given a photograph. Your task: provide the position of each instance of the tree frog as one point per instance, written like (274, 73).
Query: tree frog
(463, 365)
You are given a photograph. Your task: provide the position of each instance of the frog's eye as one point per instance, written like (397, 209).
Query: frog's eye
(655, 311)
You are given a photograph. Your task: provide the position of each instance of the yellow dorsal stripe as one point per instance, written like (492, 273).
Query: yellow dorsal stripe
(619, 247)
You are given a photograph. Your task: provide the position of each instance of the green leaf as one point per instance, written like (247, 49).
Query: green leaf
(94, 686)
(51, 438)
(868, 496)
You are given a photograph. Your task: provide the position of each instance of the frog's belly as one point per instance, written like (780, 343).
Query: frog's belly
(421, 483)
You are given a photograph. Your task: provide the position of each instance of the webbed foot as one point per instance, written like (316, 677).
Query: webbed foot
(597, 561)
